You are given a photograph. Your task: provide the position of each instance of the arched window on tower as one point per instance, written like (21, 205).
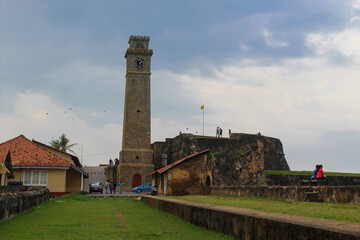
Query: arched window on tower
(139, 46)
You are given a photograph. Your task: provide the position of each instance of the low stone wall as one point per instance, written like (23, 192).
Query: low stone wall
(255, 225)
(17, 199)
(295, 193)
(12, 188)
(296, 180)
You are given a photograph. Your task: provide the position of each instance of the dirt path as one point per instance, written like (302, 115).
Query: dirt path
(119, 217)
(120, 222)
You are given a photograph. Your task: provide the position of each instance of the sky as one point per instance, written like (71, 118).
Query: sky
(287, 69)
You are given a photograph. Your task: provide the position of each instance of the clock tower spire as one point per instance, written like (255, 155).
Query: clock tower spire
(136, 156)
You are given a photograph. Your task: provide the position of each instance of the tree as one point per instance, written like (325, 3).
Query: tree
(62, 144)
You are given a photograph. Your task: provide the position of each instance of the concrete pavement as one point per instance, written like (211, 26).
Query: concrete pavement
(123, 194)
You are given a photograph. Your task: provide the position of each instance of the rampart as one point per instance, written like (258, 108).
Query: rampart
(17, 199)
(111, 173)
(239, 160)
(255, 225)
(336, 194)
(296, 180)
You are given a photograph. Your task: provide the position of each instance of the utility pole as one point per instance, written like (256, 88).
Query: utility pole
(82, 147)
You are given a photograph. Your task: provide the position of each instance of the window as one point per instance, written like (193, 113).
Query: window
(139, 45)
(35, 177)
(164, 159)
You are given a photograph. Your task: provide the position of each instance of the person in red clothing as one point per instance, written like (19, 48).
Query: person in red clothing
(320, 174)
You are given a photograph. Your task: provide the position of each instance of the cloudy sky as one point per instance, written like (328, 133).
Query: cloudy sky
(289, 69)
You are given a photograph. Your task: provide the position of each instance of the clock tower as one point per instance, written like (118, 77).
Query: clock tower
(136, 156)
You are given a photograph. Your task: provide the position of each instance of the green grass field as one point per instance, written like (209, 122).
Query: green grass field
(79, 217)
(310, 173)
(331, 211)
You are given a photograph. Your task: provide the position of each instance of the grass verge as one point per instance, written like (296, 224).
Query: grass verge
(80, 217)
(331, 211)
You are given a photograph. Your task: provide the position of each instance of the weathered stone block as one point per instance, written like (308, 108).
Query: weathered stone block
(255, 225)
(17, 199)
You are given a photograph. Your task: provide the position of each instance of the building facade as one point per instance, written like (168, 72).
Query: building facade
(136, 156)
(188, 175)
(34, 165)
(6, 171)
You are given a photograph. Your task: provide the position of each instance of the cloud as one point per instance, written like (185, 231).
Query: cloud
(245, 47)
(346, 42)
(305, 102)
(289, 71)
(269, 38)
(37, 117)
(334, 149)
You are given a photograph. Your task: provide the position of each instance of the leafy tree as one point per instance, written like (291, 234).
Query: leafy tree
(62, 143)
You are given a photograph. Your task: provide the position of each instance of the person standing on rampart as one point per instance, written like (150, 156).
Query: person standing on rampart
(220, 132)
(217, 132)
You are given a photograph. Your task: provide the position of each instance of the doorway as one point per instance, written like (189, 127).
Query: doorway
(207, 186)
(136, 180)
(208, 181)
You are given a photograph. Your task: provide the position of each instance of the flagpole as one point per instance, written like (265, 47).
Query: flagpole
(203, 119)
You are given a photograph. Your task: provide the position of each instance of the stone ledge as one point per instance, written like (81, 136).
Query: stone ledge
(13, 203)
(252, 224)
(337, 194)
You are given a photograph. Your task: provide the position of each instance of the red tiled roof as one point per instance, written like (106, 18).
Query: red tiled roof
(164, 169)
(25, 153)
(74, 158)
(3, 155)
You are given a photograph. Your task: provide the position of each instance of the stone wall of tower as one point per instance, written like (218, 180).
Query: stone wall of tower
(137, 122)
(135, 162)
(136, 156)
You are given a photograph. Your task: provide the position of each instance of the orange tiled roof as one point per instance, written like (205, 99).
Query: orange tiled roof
(25, 153)
(164, 169)
(3, 155)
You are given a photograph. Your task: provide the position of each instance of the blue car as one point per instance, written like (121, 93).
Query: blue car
(146, 187)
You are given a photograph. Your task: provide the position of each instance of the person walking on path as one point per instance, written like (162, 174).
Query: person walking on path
(217, 132)
(121, 184)
(107, 186)
(220, 132)
(111, 187)
(114, 187)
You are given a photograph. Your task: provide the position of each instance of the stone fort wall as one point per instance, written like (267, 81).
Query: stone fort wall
(255, 225)
(17, 199)
(335, 194)
(239, 160)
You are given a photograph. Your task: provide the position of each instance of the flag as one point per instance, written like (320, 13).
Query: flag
(202, 106)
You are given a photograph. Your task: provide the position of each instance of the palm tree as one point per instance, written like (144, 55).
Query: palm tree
(62, 144)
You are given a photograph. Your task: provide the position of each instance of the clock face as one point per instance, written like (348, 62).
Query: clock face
(139, 63)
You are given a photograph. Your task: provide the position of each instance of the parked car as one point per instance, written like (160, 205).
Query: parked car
(146, 187)
(95, 186)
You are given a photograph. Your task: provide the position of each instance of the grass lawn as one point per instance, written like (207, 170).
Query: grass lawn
(331, 211)
(310, 173)
(79, 217)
